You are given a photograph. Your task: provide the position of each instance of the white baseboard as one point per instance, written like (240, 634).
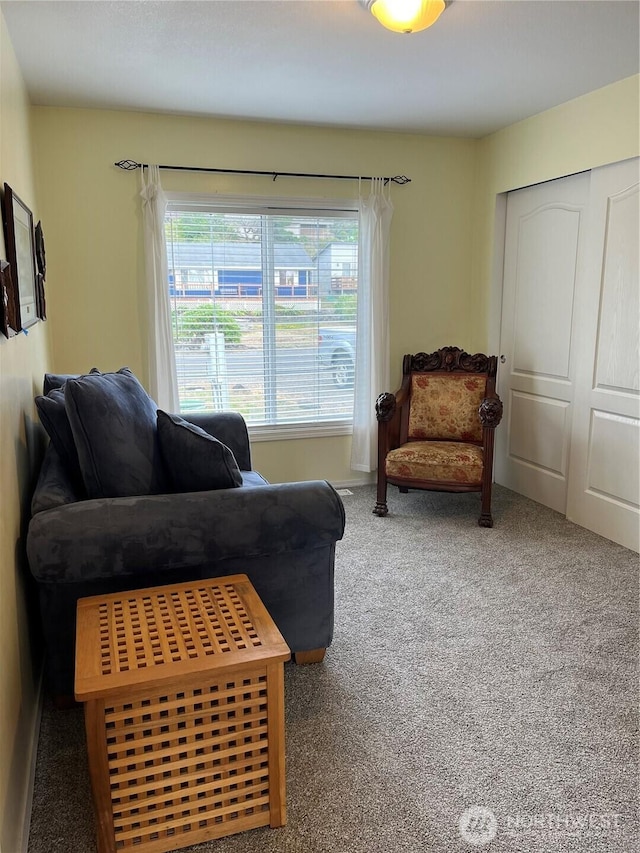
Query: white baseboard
(31, 777)
(365, 480)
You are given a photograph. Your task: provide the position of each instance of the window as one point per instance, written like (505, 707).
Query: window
(263, 300)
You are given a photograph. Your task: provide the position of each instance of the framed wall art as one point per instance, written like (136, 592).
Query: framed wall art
(9, 322)
(41, 305)
(20, 245)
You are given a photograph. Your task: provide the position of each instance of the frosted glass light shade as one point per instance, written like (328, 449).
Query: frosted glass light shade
(406, 16)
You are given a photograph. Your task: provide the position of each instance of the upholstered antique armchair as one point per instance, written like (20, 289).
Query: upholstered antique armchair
(437, 431)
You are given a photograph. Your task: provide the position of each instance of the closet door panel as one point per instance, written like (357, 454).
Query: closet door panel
(619, 326)
(543, 245)
(604, 492)
(609, 473)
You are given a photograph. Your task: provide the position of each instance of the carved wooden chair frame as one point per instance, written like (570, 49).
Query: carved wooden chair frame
(392, 413)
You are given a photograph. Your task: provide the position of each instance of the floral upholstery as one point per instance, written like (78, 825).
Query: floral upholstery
(431, 434)
(446, 407)
(443, 461)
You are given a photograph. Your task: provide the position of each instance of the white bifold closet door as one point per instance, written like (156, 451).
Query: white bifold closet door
(545, 232)
(570, 436)
(604, 483)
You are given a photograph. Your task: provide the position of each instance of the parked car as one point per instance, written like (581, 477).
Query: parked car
(337, 352)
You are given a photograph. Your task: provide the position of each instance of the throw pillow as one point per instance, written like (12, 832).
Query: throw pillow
(113, 421)
(195, 460)
(57, 380)
(53, 417)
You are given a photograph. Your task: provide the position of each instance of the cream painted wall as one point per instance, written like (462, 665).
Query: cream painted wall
(599, 128)
(441, 277)
(23, 360)
(443, 244)
(91, 222)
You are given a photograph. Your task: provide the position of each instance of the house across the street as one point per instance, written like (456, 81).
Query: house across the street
(205, 269)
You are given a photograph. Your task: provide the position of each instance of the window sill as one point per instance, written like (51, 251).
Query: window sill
(286, 432)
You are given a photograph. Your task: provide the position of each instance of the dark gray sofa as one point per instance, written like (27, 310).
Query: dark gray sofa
(282, 536)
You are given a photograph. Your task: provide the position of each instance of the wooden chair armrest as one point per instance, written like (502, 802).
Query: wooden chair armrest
(385, 407)
(388, 405)
(490, 411)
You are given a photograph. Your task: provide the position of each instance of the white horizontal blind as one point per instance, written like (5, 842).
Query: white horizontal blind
(264, 311)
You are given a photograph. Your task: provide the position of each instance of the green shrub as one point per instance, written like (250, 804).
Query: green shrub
(194, 323)
(341, 307)
(289, 311)
(345, 305)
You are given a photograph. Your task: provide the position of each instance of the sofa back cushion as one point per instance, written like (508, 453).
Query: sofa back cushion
(195, 460)
(54, 488)
(113, 421)
(53, 416)
(57, 380)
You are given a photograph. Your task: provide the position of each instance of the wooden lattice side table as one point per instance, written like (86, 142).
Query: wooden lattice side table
(184, 712)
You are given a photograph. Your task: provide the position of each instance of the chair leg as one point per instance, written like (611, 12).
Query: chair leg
(312, 656)
(381, 507)
(486, 519)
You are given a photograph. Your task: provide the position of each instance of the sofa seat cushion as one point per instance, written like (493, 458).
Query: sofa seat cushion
(441, 461)
(195, 461)
(113, 421)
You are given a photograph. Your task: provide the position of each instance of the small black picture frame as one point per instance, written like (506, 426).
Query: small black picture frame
(20, 245)
(41, 305)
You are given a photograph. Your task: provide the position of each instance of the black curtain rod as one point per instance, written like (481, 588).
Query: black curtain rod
(131, 165)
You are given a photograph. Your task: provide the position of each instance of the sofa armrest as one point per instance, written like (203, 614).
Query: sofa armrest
(229, 428)
(120, 537)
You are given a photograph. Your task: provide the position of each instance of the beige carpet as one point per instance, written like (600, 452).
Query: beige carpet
(493, 670)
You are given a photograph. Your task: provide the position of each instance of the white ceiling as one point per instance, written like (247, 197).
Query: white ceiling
(485, 64)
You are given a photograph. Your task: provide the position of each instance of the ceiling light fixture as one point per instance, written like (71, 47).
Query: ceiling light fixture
(405, 16)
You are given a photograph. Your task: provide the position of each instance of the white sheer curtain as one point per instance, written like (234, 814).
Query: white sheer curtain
(372, 342)
(163, 384)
